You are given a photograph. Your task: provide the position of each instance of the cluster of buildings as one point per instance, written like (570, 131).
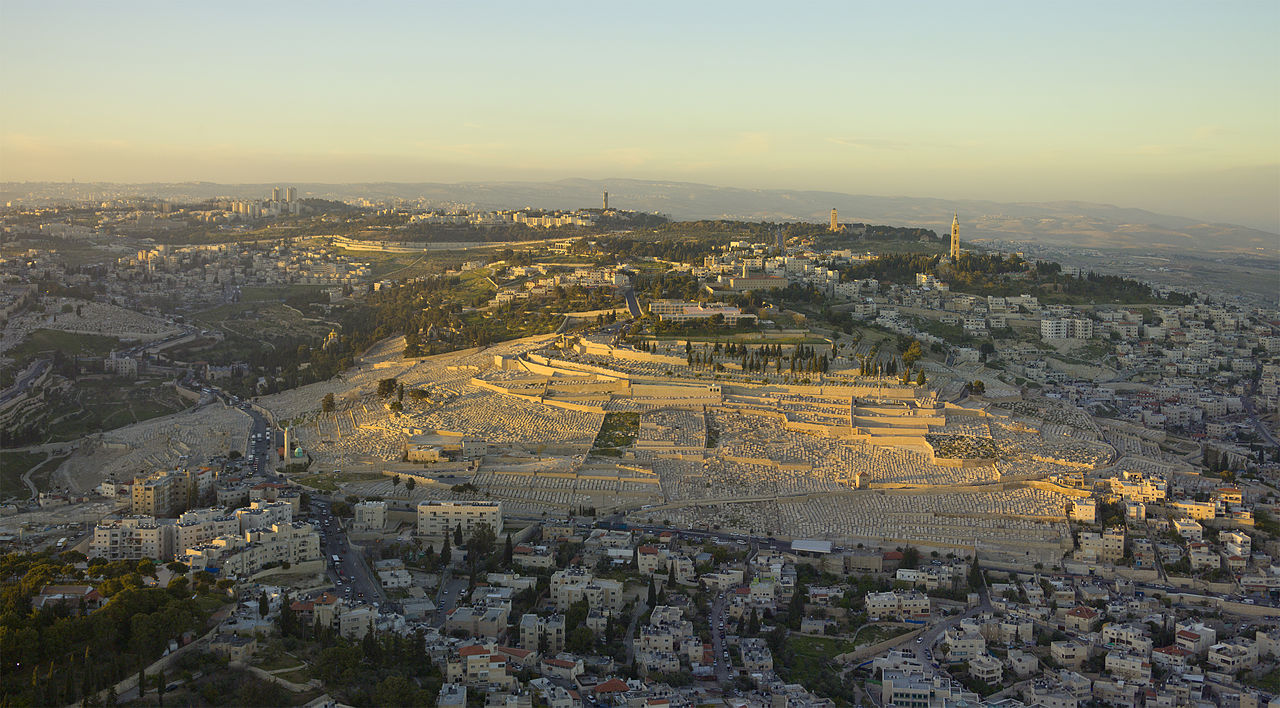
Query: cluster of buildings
(200, 267)
(252, 528)
(238, 543)
(541, 280)
(526, 217)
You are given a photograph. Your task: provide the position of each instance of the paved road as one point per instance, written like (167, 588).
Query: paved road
(350, 575)
(23, 382)
(718, 619)
(1257, 422)
(641, 608)
(632, 303)
(451, 591)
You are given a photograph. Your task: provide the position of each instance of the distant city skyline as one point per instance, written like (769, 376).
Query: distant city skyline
(1172, 107)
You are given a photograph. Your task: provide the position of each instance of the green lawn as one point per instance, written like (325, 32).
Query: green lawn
(328, 481)
(808, 661)
(12, 466)
(105, 404)
(42, 477)
(820, 648)
(618, 430)
(50, 340)
(278, 293)
(67, 342)
(1269, 682)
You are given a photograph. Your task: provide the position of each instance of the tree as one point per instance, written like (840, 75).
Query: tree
(457, 535)
(507, 551)
(910, 558)
(395, 481)
(446, 553)
(264, 605)
(410, 484)
(912, 354)
(653, 594)
(978, 387)
(753, 625)
(920, 379)
(327, 404)
(579, 640)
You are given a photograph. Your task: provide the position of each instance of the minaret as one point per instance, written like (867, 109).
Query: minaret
(955, 238)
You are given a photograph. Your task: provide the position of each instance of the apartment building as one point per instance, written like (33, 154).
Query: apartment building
(542, 634)
(201, 525)
(1066, 328)
(441, 518)
(370, 516)
(573, 584)
(903, 605)
(133, 538)
(963, 644)
(1128, 666)
(1107, 547)
(487, 622)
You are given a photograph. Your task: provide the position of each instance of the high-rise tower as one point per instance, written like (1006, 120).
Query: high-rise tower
(835, 220)
(606, 200)
(955, 238)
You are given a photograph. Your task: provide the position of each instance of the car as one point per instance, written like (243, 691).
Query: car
(919, 640)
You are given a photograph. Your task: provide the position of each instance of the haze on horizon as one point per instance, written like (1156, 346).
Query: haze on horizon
(1172, 107)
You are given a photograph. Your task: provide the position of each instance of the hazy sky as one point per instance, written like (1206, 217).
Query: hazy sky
(1170, 106)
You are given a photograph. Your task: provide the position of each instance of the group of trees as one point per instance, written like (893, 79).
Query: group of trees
(59, 654)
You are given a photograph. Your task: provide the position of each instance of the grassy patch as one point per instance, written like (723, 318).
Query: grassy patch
(618, 430)
(878, 633)
(47, 341)
(820, 648)
(1269, 682)
(302, 675)
(42, 477)
(274, 661)
(808, 661)
(105, 404)
(12, 466)
(329, 481)
(280, 293)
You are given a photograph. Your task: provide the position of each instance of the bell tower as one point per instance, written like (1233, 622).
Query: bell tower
(955, 238)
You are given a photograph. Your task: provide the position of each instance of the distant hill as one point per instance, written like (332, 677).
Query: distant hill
(1080, 224)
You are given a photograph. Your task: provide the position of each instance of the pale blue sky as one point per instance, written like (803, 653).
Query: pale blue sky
(1169, 106)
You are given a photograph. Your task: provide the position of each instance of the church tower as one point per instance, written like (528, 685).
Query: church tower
(955, 238)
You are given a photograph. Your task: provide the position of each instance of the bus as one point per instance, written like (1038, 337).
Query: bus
(335, 560)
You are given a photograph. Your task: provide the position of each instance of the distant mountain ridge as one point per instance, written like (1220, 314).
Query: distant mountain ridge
(1067, 223)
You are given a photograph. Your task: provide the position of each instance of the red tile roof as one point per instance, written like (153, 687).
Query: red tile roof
(611, 686)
